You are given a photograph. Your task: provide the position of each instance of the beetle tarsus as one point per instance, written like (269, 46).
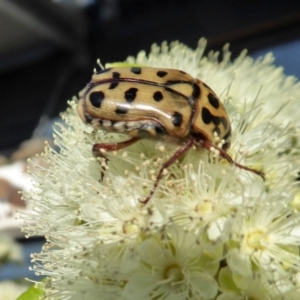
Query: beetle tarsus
(99, 149)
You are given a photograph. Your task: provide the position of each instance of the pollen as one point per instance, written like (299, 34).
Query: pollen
(130, 228)
(174, 273)
(146, 163)
(256, 240)
(170, 183)
(162, 149)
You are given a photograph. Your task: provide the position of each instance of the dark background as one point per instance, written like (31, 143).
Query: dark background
(48, 49)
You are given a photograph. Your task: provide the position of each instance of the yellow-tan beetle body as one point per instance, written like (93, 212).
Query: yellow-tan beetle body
(153, 103)
(156, 103)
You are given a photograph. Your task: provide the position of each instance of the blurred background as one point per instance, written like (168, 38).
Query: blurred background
(48, 49)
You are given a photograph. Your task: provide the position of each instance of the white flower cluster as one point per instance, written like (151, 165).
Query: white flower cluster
(210, 231)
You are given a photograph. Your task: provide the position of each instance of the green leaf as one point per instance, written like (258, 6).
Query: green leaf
(33, 293)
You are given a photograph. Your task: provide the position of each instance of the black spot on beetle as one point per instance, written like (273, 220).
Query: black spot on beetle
(113, 85)
(136, 70)
(207, 117)
(177, 119)
(116, 75)
(103, 71)
(96, 98)
(158, 96)
(130, 94)
(196, 91)
(161, 74)
(121, 110)
(213, 100)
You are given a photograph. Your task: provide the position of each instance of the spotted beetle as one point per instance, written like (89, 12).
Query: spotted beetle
(156, 103)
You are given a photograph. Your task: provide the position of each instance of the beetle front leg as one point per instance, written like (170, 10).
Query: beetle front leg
(207, 145)
(113, 146)
(98, 149)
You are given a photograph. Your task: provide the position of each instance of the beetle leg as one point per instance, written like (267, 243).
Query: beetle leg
(111, 147)
(186, 146)
(207, 145)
